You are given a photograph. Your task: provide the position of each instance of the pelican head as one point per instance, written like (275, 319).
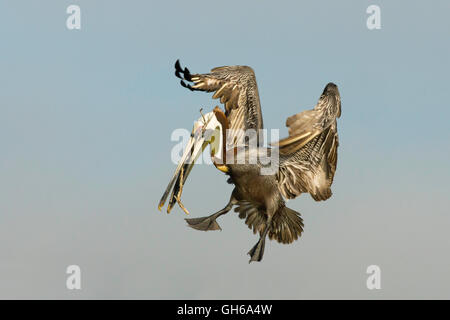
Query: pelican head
(207, 130)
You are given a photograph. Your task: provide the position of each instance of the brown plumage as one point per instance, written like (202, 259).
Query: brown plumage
(237, 90)
(308, 157)
(306, 163)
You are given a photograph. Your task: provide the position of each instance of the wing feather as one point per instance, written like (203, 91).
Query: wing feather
(287, 225)
(236, 88)
(308, 156)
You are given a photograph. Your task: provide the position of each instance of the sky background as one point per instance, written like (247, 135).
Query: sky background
(85, 123)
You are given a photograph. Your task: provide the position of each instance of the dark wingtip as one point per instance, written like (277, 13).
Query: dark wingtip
(183, 84)
(187, 74)
(178, 66)
(330, 88)
(183, 75)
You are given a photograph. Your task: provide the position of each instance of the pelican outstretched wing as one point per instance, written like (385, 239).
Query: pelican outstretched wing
(308, 157)
(237, 90)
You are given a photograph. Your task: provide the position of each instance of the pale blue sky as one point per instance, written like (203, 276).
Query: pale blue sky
(85, 124)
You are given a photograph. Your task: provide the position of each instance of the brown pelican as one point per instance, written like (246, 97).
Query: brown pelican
(306, 163)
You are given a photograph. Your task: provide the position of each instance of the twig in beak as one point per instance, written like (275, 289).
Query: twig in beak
(182, 206)
(178, 195)
(174, 192)
(204, 120)
(171, 202)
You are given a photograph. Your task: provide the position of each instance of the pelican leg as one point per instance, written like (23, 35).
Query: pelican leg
(256, 253)
(209, 222)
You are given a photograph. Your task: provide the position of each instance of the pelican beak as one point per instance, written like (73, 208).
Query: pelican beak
(194, 148)
(222, 168)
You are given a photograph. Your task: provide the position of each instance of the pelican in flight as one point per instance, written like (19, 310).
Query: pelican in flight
(305, 161)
